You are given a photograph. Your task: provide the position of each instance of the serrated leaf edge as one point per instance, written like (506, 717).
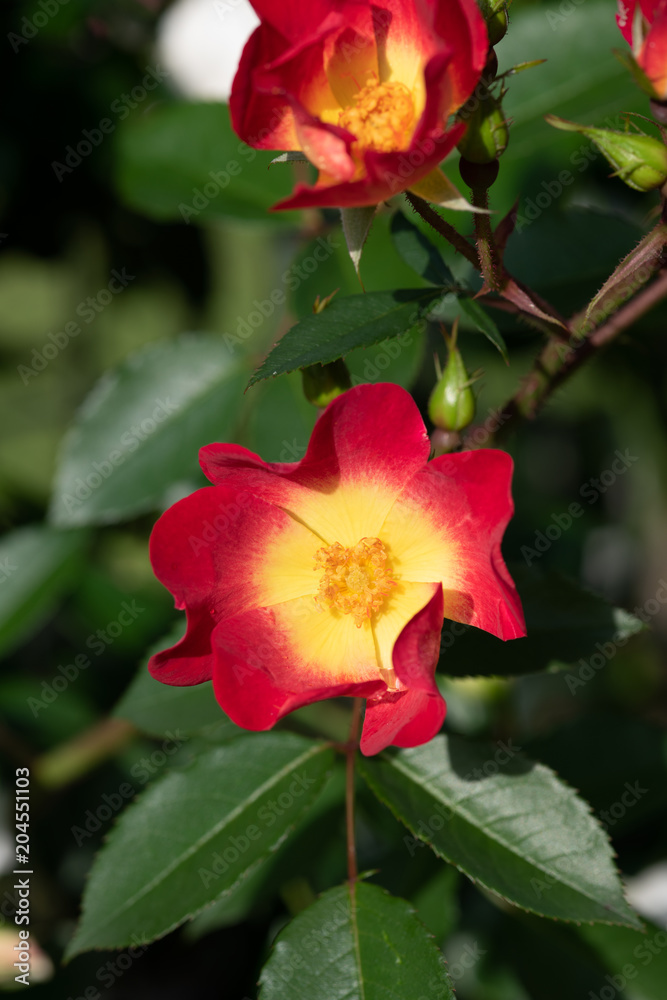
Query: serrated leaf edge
(478, 881)
(72, 950)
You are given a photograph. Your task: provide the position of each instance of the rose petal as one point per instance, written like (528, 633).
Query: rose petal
(355, 466)
(447, 527)
(229, 551)
(272, 660)
(410, 717)
(190, 661)
(653, 56)
(264, 121)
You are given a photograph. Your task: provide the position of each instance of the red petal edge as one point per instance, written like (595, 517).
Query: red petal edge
(255, 678)
(411, 717)
(367, 433)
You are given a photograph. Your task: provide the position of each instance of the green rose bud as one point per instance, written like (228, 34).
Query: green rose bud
(451, 406)
(495, 15)
(487, 134)
(638, 159)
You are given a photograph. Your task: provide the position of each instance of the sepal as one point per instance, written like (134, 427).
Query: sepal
(437, 188)
(357, 224)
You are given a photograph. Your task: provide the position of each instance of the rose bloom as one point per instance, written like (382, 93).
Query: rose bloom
(363, 90)
(331, 576)
(643, 24)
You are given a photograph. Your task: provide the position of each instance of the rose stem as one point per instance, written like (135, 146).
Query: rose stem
(556, 363)
(492, 268)
(441, 226)
(350, 752)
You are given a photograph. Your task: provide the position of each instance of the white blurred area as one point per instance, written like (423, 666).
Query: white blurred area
(647, 892)
(200, 43)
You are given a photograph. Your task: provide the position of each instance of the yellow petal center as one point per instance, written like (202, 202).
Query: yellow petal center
(381, 116)
(354, 581)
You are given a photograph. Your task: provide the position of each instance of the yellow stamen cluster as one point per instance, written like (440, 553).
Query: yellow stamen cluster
(356, 580)
(381, 117)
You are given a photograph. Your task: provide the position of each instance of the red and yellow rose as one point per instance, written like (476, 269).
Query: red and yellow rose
(364, 90)
(643, 24)
(331, 576)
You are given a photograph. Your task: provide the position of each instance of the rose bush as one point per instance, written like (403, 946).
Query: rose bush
(363, 90)
(331, 576)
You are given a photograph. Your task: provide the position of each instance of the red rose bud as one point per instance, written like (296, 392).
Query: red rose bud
(638, 159)
(451, 405)
(487, 133)
(364, 91)
(322, 383)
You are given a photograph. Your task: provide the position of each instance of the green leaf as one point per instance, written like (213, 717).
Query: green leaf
(483, 322)
(419, 253)
(637, 961)
(357, 321)
(159, 709)
(507, 823)
(304, 858)
(565, 624)
(551, 958)
(140, 430)
(396, 360)
(436, 902)
(195, 834)
(37, 564)
(423, 257)
(183, 161)
(358, 945)
(236, 905)
(635, 762)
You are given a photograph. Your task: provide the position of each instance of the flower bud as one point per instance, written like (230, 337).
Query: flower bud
(322, 383)
(495, 15)
(487, 134)
(638, 159)
(451, 405)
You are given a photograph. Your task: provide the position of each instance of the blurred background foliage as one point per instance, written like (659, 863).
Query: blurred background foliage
(67, 574)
